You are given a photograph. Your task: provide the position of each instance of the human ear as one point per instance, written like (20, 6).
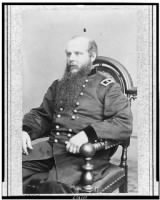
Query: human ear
(93, 56)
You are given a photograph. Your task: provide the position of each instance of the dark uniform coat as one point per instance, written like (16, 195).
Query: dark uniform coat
(101, 110)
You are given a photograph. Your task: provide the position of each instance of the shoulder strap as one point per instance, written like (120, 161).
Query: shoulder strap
(104, 85)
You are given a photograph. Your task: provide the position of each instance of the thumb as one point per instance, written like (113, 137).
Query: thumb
(29, 144)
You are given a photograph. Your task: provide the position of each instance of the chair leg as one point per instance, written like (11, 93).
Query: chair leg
(123, 188)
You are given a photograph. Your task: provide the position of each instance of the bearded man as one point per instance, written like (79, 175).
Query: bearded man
(76, 109)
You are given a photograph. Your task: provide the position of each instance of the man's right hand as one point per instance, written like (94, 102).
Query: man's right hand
(26, 142)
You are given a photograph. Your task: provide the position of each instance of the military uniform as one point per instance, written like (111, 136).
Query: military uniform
(101, 110)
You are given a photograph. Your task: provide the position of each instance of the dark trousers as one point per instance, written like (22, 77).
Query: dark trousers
(39, 177)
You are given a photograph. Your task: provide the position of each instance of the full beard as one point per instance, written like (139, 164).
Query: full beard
(69, 87)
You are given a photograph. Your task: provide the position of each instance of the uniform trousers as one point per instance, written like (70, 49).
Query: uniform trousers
(59, 173)
(40, 177)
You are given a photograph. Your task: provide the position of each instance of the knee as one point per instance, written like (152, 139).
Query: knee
(26, 171)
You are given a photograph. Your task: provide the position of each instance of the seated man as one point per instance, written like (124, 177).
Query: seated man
(79, 108)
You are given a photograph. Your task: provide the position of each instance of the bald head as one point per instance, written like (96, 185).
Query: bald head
(90, 44)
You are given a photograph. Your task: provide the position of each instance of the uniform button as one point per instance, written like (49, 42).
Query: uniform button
(83, 86)
(86, 80)
(77, 103)
(70, 130)
(75, 111)
(61, 109)
(81, 93)
(73, 117)
(55, 140)
(57, 126)
(66, 142)
(69, 135)
(57, 133)
(59, 116)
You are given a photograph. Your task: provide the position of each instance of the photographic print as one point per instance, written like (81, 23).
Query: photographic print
(80, 89)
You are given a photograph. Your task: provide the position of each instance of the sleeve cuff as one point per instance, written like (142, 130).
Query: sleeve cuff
(91, 134)
(26, 128)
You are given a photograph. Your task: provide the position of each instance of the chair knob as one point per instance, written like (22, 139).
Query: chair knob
(87, 150)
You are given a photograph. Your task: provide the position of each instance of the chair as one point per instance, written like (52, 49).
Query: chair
(117, 176)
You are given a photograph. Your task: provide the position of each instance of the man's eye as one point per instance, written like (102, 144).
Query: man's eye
(68, 54)
(78, 53)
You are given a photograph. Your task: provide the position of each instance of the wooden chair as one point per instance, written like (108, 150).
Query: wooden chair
(117, 176)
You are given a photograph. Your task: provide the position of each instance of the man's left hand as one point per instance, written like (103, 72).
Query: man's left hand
(76, 142)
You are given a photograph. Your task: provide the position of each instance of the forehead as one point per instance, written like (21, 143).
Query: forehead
(78, 44)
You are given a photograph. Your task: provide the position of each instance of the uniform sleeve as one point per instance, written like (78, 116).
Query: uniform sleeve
(38, 121)
(117, 121)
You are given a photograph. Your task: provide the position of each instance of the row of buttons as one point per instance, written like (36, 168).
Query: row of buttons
(56, 141)
(77, 104)
(58, 133)
(73, 116)
(69, 134)
(57, 127)
(75, 110)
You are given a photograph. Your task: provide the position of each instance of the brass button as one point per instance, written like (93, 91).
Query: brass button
(83, 86)
(61, 109)
(66, 142)
(77, 103)
(75, 111)
(73, 117)
(86, 80)
(57, 133)
(70, 130)
(57, 127)
(59, 116)
(69, 135)
(81, 93)
(55, 140)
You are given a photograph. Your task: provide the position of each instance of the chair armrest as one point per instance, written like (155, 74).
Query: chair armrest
(88, 149)
(107, 144)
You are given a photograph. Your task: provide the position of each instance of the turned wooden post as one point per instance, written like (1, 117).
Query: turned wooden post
(124, 187)
(88, 151)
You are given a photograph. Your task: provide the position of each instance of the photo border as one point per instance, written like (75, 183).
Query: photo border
(5, 97)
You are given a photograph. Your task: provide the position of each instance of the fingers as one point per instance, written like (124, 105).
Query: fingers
(75, 142)
(67, 145)
(24, 148)
(72, 148)
(29, 144)
(26, 144)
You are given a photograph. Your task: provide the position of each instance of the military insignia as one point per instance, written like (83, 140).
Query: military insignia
(107, 81)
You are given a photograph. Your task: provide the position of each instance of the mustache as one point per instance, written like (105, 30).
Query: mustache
(69, 67)
(73, 65)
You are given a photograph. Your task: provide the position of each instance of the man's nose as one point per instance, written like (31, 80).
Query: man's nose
(72, 57)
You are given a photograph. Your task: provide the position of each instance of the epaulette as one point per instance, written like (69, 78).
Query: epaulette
(107, 81)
